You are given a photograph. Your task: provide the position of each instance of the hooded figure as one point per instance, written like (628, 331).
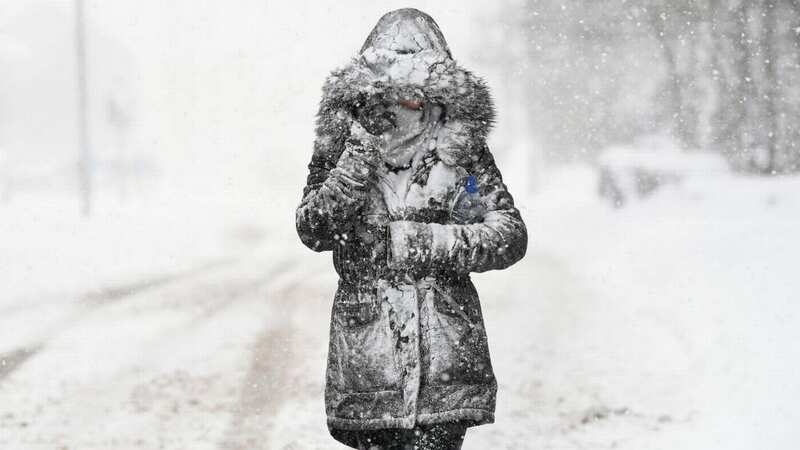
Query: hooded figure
(400, 152)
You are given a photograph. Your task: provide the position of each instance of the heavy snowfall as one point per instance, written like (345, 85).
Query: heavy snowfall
(154, 293)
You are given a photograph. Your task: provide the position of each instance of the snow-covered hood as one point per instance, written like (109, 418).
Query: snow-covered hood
(404, 46)
(406, 56)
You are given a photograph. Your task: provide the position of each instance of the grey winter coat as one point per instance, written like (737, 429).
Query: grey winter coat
(407, 339)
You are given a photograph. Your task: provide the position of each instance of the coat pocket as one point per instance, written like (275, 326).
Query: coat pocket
(362, 357)
(355, 309)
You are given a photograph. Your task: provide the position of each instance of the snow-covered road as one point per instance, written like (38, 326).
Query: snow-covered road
(232, 357)
(672, 325)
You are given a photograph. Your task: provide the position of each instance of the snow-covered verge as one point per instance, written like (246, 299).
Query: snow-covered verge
(669, 323)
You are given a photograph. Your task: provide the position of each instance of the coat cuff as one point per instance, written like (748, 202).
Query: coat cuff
(416, 244)
(409, 244)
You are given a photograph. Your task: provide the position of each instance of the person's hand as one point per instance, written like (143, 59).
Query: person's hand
(374, 115)
(358, 164)
(368, 142)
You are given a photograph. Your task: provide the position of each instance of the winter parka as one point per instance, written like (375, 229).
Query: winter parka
(407, 339)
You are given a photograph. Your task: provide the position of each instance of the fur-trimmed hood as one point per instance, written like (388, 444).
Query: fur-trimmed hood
(406, 56)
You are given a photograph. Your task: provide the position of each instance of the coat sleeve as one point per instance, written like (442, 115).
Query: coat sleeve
(331, 196)
(496, 243)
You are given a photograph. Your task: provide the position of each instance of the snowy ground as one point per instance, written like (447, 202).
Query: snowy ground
(667, 324)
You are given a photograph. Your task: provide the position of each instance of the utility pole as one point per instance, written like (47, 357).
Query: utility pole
(85, 158)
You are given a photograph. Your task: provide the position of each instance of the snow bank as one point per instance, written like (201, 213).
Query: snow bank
(668, 324)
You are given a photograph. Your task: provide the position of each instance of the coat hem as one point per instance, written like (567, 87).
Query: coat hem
(370, 424)
(474, 415)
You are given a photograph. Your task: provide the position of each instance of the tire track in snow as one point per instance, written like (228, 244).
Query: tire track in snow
(197, 304)
(113, 293)
(275, 378)
(12, 360)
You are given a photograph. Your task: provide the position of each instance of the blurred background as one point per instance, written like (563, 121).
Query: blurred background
(154, 294)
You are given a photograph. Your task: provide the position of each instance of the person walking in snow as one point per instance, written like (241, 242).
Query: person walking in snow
(404, 190)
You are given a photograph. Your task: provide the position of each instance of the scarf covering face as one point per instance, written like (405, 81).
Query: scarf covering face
(413, 136)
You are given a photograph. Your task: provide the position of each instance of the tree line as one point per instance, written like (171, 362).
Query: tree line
(722, 75)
